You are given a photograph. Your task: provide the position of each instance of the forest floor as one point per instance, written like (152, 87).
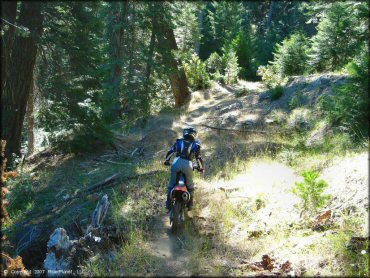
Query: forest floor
(246, 220)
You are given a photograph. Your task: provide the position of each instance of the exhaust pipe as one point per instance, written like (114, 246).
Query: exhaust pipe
(185, 196)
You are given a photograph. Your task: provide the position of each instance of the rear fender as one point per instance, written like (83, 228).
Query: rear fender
(180, 192)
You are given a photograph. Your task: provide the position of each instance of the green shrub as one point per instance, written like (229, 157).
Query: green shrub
(215, 67)
(338, 37)
(224, 69)
(196, 73)
(277, 92)
(311, 192)
(300, 118)
(242, 45)
(348, 107)
(269, 76)
(296, 101)
(231, 67)
(279, 116)
(217, 76)
(77, 131)
(242, 92)
(288, 156)
(21, 195)
(291, 57)
(215, 64)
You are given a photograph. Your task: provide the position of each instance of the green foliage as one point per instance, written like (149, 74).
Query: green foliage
(215, 66)
(226, 20)
(21, 196)
(279, 116)
(300, 119)
(348, 107)
(130, 260)
(288, 156)
(290, 57)
(196, 73)
(277, 92)
(186, 25)
(231, 67)
(224, 68)
(214, 63)
(338, 37)
(296, 101)
(242, 45)
(71, 111)
(242, 92)
(269, 76)
(311, 192)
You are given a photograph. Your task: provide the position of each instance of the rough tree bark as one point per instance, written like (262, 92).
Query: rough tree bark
(269, 16)
(167, 45)
(150, 56)
(31, 119)
(118, 18)
(200, 27)
(18, 85)
(8, 13)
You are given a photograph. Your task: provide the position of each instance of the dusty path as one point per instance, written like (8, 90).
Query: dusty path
(169, 247)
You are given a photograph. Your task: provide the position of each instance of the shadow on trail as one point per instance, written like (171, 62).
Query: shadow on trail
(28, 236)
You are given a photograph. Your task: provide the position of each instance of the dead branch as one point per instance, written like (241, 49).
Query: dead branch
(111, 161)
(102, 183)
(134, 151)
(118, 163)
(110, 181)
(229, 129)
(100, 212)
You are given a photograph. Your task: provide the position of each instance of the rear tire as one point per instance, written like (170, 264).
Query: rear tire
(176, 222)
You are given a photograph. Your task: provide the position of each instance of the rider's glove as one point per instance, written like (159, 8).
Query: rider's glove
(166, 162)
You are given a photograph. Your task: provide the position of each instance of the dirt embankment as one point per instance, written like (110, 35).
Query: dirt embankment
(259, 197)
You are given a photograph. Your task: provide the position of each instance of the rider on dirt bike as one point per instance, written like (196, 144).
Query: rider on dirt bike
(186, 148)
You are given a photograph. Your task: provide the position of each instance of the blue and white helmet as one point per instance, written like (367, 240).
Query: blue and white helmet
(190, 132)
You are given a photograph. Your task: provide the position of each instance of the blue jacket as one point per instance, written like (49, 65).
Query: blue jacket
(186, 149)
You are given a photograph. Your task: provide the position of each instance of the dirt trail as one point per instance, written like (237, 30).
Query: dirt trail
(220, 107)
(169, 247)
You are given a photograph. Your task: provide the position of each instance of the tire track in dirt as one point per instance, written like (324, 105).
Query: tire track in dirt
(169, 247)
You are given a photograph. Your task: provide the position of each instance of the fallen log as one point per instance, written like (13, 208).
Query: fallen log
(134, 151)
(110, 161)
(110, 181)
(64, 254)
(100, 212)
(102, 183)
(228, 129)
(118, 163)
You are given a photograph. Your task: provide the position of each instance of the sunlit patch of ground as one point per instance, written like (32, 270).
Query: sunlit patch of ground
(255, 213)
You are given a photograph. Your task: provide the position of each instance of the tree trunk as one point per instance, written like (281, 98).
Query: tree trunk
(18, 85)
(8, 13)
(176, 74)
(31, 119)
(118, 17)
(269, 16)
(150, 58)
(200, 27)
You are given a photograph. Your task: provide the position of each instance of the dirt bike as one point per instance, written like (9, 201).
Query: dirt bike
(180, 196)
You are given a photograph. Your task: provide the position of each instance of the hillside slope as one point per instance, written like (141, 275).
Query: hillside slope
(246, 219)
